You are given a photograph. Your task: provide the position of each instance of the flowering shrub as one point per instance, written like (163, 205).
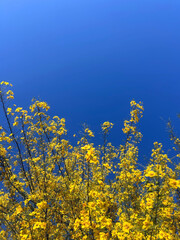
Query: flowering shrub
(53, 190)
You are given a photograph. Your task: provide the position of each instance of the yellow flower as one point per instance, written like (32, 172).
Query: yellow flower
(42, 205)
(9, 110)
(133, 103)
(147, 223)
(150, 174)
(18, 109)
(106, 126)
(174, 183)
(77, 224)
(15, 163)
(10, 94)
(102, 236)
(107, 165)
(10, 97)
(90, 133)
(85, 237)
(5, 83)
(2, 151)
(19, 209)
(161, 234)
(126, 227)
(91, 205)
(15, 124)
(39, 225)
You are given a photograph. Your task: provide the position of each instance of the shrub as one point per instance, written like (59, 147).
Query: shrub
(53, 190)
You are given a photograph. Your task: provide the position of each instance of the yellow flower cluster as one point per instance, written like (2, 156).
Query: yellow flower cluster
(130, 125)
(91, 155)
(51, 189)
(39, 105)
(6, 83)
(106, 126)
(89, 132)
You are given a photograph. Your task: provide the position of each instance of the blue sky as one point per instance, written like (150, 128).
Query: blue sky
(89, 59)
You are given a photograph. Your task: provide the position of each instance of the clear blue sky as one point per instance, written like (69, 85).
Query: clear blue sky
(89, 58)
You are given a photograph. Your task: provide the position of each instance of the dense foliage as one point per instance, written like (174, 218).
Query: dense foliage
(53, 190)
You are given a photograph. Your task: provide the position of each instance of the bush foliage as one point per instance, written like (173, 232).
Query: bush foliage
(53, 190)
